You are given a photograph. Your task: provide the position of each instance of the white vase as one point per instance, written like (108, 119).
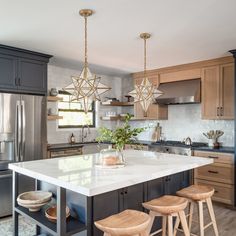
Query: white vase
(211, 142)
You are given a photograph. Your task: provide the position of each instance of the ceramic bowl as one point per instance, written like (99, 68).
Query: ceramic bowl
(34, 197)
(34, 207)
(51, 213)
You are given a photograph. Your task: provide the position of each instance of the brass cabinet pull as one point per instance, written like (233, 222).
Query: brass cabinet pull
(213, 172)
(218, 111)
(214, 157)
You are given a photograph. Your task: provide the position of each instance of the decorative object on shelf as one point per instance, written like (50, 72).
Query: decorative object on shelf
(146, 92)
(120, 136)
(72, 138)
(156, 136)
(128, 98)
(51, 213)
(52, 111)
(87, 87)
(111, 113)
(213, 136)
(53, 92)
(34, 200)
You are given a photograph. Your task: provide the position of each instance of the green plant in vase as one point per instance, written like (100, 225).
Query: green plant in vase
(122, 135)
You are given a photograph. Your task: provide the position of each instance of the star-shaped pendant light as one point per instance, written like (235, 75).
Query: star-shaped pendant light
(145, 93)
(87, 87)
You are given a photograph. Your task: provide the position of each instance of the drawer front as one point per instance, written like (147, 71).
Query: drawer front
(216, 173)
(73, 151)
(66, 152)
(218, 157)
(223, 192)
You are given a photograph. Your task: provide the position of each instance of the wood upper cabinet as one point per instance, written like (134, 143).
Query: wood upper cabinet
(218, 92)
(154, 111)
(227, 91)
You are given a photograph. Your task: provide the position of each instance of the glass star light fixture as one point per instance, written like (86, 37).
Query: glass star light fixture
(145, 93)
(87, 87)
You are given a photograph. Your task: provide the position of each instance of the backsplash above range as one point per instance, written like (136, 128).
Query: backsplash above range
(185, 121)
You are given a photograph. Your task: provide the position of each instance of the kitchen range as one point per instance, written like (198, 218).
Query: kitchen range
(175, 147)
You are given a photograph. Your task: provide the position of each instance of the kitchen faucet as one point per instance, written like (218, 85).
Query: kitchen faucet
(83, 133)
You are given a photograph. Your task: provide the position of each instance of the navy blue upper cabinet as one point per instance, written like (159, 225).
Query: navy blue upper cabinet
(23, 71)
(8, 72)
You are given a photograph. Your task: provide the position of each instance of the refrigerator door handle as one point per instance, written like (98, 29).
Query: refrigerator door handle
(22, 153)
(17, 132)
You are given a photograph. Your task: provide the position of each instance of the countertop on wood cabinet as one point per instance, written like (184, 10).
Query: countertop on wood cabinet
(80, 174)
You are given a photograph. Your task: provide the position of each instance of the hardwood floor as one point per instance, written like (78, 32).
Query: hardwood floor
(225, 218)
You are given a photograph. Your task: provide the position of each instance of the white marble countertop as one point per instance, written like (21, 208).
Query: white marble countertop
(79, 174)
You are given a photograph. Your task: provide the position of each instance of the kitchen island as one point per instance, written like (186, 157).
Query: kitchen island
(93, 193)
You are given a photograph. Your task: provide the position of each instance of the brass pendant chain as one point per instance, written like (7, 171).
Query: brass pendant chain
(145, 57)
(85, 43)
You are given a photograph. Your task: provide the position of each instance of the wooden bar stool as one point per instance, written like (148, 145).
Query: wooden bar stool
(200, 194)
(126, 223)
(167, 207)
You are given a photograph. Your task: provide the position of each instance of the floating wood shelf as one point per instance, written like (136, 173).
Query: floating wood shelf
(121, 104)
(54, 99)
(51, 117)
(122, 118)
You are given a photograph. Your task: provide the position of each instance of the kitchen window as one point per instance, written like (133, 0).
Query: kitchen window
(73, 114)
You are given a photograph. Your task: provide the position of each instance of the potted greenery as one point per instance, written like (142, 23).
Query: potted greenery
(122, 135)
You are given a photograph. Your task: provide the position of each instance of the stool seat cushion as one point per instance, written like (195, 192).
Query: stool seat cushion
(166, 204)
(128, 222)
(196, 192)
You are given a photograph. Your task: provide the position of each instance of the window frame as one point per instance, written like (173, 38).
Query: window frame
(93, 110)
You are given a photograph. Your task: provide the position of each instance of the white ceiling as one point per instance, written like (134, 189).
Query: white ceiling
(183, 31)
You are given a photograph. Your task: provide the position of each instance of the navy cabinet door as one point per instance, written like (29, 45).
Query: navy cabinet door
(33, 76)
(133, 197)
(155, 189)
(105, 205)
(8, 72)
(175, 182)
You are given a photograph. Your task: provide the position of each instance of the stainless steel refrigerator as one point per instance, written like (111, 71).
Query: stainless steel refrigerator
(23, 137)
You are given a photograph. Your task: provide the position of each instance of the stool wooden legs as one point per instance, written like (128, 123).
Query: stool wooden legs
(164, 224)
(200, 215)
(167, 223)
(212, 215)
(190, 215)
(202, 227)
(184, 223)
(170, 225)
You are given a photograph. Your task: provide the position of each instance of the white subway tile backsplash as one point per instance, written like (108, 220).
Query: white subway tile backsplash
(185, 121)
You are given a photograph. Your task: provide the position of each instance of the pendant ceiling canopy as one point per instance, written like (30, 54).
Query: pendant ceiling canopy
(87, 87)
(145, 93)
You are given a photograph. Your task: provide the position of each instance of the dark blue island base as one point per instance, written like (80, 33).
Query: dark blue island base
(85, 210)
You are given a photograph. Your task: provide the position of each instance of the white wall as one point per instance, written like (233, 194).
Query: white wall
(184, 121)
(59, 77)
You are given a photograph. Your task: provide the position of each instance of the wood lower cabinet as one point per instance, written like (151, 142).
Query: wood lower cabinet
(155, 111)
(219, 175)
(218, 92)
